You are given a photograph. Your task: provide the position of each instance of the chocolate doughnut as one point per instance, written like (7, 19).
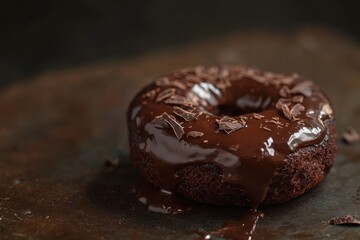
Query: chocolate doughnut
(232, 135)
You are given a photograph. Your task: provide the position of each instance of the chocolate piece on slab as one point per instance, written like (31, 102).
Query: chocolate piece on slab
(351, 136)
(344, 220)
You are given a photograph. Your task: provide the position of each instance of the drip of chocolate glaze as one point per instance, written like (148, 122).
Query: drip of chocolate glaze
(241, 229)
(161, 201)
(249, 156)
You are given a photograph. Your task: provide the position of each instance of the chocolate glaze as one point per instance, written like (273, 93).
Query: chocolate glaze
(247, 156)
(161, 201)
(241, 229)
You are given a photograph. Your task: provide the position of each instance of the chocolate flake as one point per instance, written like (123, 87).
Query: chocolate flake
(286, 111)
(258, 116)
(165, 94)
(297, 109)
(150, 94)
(229, 124)
(186, 115)
(179, 100)
(195, 134)
(178, 129)
(163, 81)
(288, 80)
(267, 129)
(292, 113)
(281, 102)
(284, 91)
(275, 118)
(276, 122)
(297, 99)
(159, 121)
(178, 84)
(304, 88)
(280, 79)
(351, 136)
(344, 220)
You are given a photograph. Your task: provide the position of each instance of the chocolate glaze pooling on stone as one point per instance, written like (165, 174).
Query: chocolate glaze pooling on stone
(247, 147)
(241, 229)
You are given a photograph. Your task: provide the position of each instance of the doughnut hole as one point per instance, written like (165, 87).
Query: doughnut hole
(245, 104)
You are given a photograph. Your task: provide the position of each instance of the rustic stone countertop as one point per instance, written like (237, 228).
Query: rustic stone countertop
(57, 129)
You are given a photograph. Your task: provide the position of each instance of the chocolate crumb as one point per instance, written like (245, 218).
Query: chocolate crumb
(229, 124)
(111, 162)
(165, 94)
(258, 116)
(351, 136)
(178, 129)
(344, 220)
(304, 88)
(186, 115)
(195, 134)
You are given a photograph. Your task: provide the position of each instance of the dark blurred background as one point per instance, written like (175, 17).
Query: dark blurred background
(47, 34)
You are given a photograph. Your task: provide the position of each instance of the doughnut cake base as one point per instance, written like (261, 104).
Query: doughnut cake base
(302, 171)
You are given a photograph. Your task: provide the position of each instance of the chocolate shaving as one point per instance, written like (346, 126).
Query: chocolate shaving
(288, 80)
(150, 93)
(199, 70)
(162, 81)
(292, 113)
(258, 116)
(179, 100)
(267, 129)
(297, 109)
(159, 121)
(284, 91)
(178, 129)
(165, 94)
(223, 84)
(186, 115)
(281, 102)
(351, 136)
(195, 134)
(297, 99)
(344, 220)
(192, 78)
(286, 111)
(304, 88)
(229, 124)
(276, 122)
(279, 79)
(178, 84)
